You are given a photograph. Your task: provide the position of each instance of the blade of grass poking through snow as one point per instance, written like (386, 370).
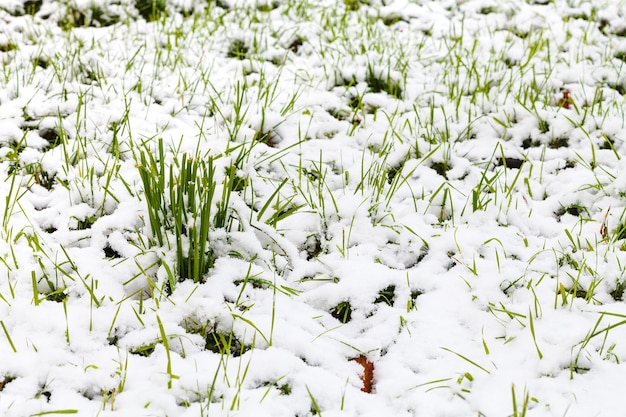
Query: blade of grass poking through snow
(171, 280)
(241, 377)
(47, 413)
(6, 333)
(67, 322)
(74, 268)
(595, 332)
(167, 352)
(465, 358)
(249, 323)
(11, 200)
(485, 347)
(519, 412)
(211, 389)
(429, 383)
(152, 173)
(112, 326)
(230, 183)
(272, 220)
(35, 288)
(314, 407)
(532, 332)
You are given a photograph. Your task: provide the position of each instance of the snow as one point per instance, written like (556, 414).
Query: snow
(415, 190)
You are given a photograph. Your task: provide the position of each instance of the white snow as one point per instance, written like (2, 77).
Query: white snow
(415, 188)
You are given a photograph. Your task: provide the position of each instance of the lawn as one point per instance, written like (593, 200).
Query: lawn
(312, 208)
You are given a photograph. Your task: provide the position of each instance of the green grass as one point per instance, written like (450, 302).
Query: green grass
(184, 204)
(418, 133)
(151, 9)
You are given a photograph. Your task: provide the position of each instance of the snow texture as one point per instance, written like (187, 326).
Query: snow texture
(435, 185)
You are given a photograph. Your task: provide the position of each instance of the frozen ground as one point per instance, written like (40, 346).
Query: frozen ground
(436, 186)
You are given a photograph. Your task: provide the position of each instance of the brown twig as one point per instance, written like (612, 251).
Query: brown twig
(368, 373)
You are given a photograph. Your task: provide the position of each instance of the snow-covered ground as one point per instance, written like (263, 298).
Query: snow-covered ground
(435, 188)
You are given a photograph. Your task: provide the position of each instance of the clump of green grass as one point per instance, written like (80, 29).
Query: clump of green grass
(284, 389)
(386, 295)
(576, 210)
(225, 343)
(342, 312)
(488, 10)
(441, 168)
(145, 350)
(217, 341)
(621, 55)
(267, 7)
(620, 232)
(29, 7)
(295, 44)
(392, 19)
(412, 301)
(32, 6)
(94, 15)
(558, 142)
(608, 143)
(352, 5)
(40, 175)
(618, 293)
(237, 49)
(378, 82)
(8, 47)
(151, 10)
(530, 143)
(52, 136)
(180, 199)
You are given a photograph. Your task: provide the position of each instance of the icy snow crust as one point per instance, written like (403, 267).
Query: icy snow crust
(428, 151)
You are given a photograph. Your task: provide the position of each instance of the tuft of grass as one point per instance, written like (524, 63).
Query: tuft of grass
(296, 43)
(619, 233)
(521, 409)
(342, 312)
(165, 342)
(144, 350)
(381, 81)
(315, 409)
(238, 49)
(93, 16)
(558, 142)
(8, 46)
(618, 293)
(576, 210)
(352, 5)
(32, 6)
(441, 168)
(151, 10)
(411, 303)
(597, 330)
(487, 10)
(267, 7)
(386, 295)
(225, 343)
(180, 200)
(284, 389)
